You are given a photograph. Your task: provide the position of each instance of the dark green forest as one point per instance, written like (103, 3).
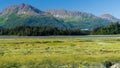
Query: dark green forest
(48, 31)
(40, 31)
(107, 30)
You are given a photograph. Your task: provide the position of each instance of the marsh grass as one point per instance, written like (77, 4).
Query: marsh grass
(57, 52)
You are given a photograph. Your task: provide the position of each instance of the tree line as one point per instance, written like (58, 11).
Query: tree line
(107, 30)
(47, 31)
(40, 31)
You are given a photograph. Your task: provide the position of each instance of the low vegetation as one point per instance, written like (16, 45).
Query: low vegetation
(58, 52)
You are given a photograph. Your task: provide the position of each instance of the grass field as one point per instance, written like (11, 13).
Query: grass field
(58, 52)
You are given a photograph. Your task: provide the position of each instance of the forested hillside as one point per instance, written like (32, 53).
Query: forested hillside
(107, 30)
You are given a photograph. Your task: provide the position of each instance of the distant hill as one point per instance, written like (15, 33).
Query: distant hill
(109, 17)
(28, 15)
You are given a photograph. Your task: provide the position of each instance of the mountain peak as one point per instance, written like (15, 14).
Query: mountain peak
(22, 9)
(61, 13)
(106, 15)
(23, 4)
(109, 17)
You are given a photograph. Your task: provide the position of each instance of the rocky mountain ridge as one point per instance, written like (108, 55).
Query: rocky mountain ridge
(27, 15)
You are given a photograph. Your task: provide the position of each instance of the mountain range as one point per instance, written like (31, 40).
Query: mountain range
(27, 15)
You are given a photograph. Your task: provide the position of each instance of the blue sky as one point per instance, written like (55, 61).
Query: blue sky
(96, 7)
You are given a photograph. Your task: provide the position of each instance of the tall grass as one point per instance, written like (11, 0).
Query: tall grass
(58, 52)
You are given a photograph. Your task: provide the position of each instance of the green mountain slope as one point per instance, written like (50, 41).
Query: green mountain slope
(14, 20)
(27, 15)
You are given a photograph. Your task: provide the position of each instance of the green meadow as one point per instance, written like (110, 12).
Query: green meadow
(58, 52)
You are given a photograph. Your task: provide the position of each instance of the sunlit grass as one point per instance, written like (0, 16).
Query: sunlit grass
(54, 52)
